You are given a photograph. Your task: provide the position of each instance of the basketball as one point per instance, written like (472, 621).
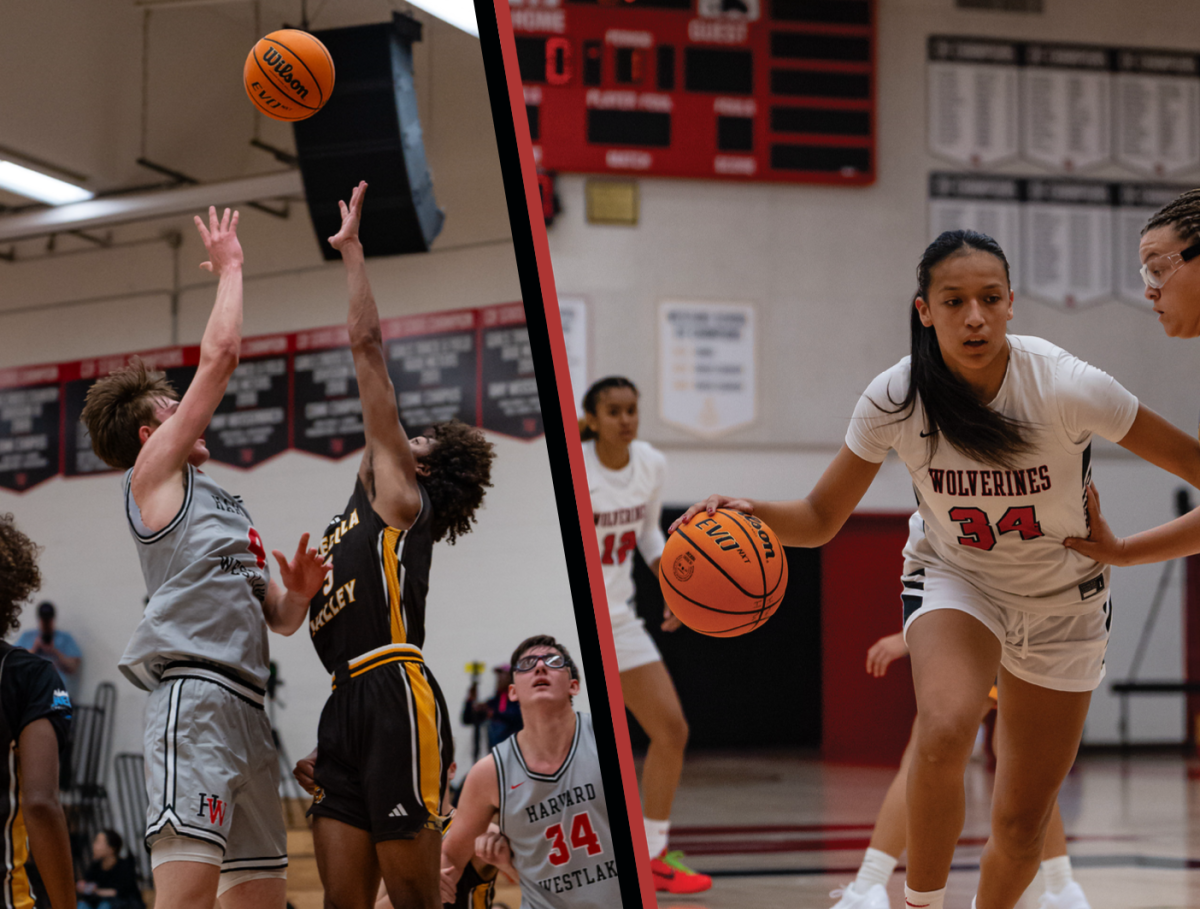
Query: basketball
(289, 75)
(723, 574)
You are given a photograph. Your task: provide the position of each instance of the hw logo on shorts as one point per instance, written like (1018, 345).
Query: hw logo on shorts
(215, 808)
(1089, 589)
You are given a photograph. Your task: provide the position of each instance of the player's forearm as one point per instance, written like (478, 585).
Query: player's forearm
(50, 845)
(363, 318)
(222, 341)
(796, 523)
(1173, 540)
(284, 609)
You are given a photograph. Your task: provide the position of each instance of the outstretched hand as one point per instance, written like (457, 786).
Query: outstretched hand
(221, 241)
(351, 215)
(305, 573)
(884, 652)
(1102, 544)
(709, 505)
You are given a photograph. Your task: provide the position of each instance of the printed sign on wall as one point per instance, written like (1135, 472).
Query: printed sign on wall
(706, 365)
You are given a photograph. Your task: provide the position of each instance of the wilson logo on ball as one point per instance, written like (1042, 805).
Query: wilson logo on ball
(283, 71)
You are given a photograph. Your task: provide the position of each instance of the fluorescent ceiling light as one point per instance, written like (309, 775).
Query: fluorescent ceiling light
(34, 185)
(459, 13)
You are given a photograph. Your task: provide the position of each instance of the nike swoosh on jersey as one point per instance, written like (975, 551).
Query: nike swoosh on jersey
(522, 783)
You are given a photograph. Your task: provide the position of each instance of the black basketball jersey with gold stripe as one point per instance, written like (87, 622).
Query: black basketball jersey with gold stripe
(374, 596)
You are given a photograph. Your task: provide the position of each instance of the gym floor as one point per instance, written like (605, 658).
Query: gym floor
(784, 829)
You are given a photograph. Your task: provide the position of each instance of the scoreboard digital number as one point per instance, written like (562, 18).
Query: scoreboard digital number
(765, 90)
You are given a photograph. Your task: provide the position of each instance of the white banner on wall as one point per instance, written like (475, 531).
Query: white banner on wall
(981, 202)
(1158, 111)
(706, 365)
(973, 92)
(1066, 99)
(573, 311)
(1068, 240)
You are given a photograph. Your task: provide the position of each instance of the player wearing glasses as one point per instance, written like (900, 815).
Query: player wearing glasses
(543, 787)
(995, 430)
(1170, 243)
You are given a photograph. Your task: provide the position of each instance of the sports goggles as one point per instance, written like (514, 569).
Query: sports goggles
(552, 661)
(1158, 269)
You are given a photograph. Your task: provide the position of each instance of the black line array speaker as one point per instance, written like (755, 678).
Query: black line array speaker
(369, 130)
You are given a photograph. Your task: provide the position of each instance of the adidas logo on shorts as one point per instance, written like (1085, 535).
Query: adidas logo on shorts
(398, 811)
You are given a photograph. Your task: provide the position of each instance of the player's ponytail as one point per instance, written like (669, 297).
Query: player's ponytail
(592, 399)
(952, 409)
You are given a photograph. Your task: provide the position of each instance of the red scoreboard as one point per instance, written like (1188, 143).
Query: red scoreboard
(770, 90)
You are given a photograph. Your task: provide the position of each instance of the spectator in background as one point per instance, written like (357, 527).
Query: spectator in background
(56, 646)
(501, 713)
(110, 881)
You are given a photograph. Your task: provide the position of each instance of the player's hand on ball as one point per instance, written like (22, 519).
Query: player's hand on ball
(305, 573)
(709, 505)
(884, 652)
(492, 847)
(303, 772)
(670, 621)
(351, 215)
(221, 241)
(1102, 545)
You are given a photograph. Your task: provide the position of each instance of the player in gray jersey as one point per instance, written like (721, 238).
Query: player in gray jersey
(214, 824)
(544, 789)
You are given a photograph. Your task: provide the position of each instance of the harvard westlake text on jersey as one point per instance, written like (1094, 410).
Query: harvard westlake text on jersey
(557, 826)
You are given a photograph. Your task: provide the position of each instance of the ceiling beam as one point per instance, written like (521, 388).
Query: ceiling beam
(145, 206)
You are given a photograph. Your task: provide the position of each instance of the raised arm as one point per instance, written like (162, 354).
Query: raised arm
(1159, 442)
(477, 805)
(389, 468)
(157, 488)
(813, 520)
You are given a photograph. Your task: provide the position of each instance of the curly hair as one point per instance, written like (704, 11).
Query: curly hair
(19, 574)
(118, 405)
(1182, 214)
(460, 469)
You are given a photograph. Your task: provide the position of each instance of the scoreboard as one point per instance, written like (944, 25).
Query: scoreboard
(765, 90)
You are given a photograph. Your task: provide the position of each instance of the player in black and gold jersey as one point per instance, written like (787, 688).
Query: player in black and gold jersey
(384, 741)
(35, 715)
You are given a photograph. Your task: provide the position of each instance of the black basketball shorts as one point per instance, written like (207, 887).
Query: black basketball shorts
(384, 746)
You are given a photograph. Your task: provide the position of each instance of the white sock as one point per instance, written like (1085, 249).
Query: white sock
(876, 868)
(656, 835)
(1058, 873)
(914, 899)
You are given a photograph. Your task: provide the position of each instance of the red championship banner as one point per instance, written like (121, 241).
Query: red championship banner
(290, 391)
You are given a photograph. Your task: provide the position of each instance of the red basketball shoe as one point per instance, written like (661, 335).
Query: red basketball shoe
(673, 876)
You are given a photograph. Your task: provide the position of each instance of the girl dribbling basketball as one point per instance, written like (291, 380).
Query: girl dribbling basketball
(995, 431)
(625, 480)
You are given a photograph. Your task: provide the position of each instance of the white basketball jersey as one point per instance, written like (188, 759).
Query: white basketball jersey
(1005, 527)
(557, 826)
(627, 506)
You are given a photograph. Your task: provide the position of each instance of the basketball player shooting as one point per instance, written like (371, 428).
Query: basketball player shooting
(214, 823)
(543, 787)
(384, 742)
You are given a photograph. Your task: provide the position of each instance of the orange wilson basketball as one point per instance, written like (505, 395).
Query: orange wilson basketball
(289, 75)
(723, 574)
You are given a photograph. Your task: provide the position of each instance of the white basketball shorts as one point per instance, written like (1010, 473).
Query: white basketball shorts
(1064, 653)
(634, 645)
